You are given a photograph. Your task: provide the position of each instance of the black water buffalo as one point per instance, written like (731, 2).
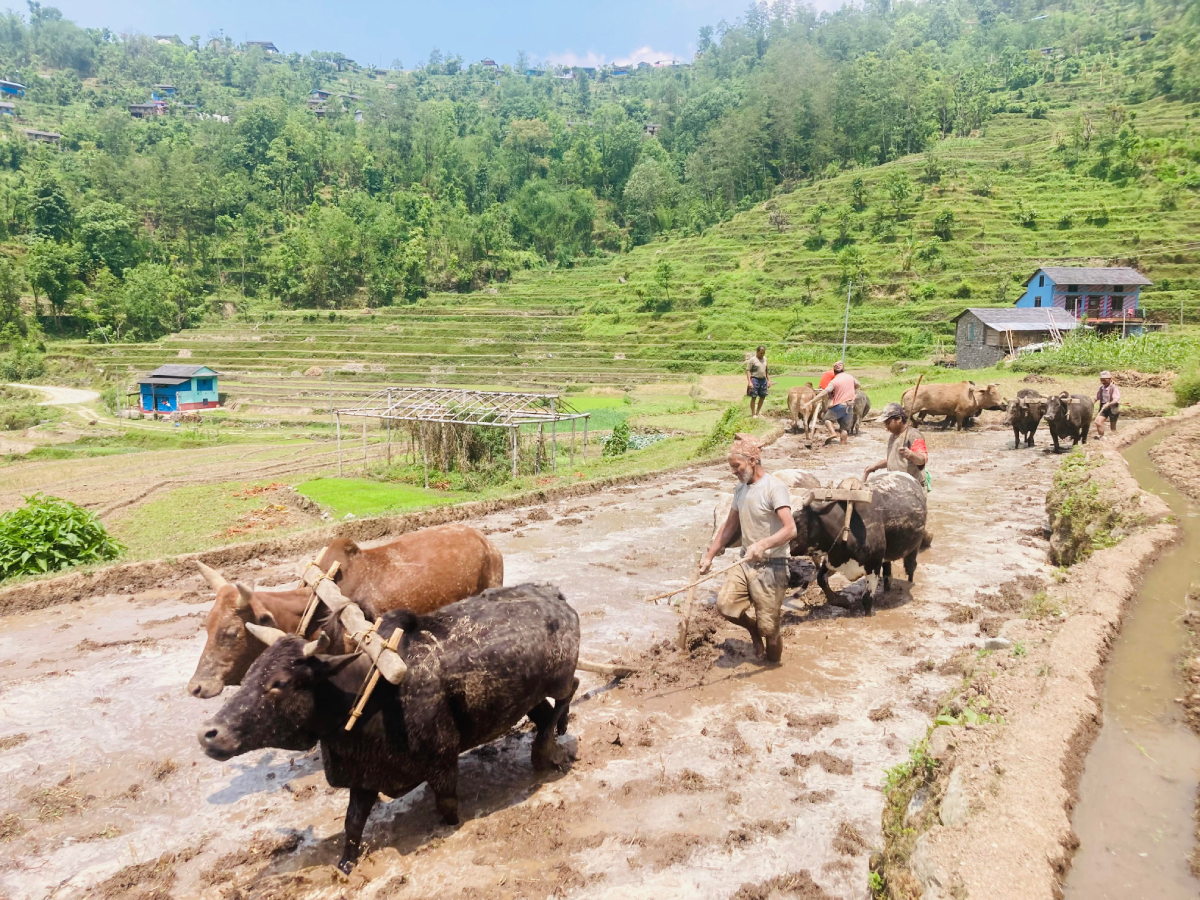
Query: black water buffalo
(475, 669)
(862, 408)
(1024, 414)
(891, 527)
(1068, 416)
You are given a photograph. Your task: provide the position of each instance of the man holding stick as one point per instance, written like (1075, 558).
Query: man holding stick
(752, 595)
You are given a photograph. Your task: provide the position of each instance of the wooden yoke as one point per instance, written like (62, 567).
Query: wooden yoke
(391, 664)
(849, 496)
(309, 610)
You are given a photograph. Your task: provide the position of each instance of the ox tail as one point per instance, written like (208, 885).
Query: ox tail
(604, 669)
(927, 540)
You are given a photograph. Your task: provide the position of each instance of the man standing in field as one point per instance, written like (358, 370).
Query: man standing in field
(838, 368)
(752, 595)
(758, 380)
(906, 450)
(1109, 398)
(841, 390)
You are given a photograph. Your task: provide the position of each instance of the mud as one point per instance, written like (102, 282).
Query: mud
(708, 774)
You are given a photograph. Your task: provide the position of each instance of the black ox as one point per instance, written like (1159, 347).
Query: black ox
(1024, 414)
(475, 669)
(1068, 416)
(891, 527)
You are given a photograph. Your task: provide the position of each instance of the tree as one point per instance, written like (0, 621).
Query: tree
(152, 301)
(10, 294)
(662, 277)
(108, 233)
(51, 209)
(52, 270)
(858, 194)
(898, 190)
(649, 198)
(943, 225)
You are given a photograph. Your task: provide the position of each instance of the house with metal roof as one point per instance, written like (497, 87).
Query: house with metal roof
(985, 335)
(1105, 298)
(176, 388)
(12, 89)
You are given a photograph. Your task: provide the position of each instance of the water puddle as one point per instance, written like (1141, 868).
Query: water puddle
(1138, 791)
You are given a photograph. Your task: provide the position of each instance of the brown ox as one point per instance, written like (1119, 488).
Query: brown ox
(422, 571)
(807, 405)
(959, 402)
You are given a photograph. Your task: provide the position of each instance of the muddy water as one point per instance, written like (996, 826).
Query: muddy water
(1138, 791)
(101, 718)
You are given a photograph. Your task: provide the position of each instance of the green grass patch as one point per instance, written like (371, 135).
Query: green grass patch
(367, 497)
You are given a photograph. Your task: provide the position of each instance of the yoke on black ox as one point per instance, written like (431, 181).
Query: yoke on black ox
(475, 669)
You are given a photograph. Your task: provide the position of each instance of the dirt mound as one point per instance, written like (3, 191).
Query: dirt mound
(1177, 457)
(795, 884)
(665, 665)
(1134, 378)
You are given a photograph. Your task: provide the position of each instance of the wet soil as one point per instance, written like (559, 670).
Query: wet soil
(1137, 793)
(705, 775)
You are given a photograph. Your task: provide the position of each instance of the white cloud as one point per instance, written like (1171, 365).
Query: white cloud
(594, 59)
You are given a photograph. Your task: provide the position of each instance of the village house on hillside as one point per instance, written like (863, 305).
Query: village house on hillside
(985, 335)
(1105, 298)
(178, 388)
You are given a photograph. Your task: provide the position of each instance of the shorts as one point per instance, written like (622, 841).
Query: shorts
(758, 387)
(1112, 413)
(839, 414)
(760, 586)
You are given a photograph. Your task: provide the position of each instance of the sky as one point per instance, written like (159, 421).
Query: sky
(377, 32)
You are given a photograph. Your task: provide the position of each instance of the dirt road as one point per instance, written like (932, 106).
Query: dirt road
(61, 396)
(690, 781)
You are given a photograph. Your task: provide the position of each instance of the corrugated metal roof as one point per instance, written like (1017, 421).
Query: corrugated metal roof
(178, 371)
(1117, 275)
(165, 382)
(1005, 318)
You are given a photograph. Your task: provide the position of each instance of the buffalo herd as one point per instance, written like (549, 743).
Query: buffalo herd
(480, 657)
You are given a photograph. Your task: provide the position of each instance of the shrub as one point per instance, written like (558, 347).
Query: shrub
(943, 225)
(49, 534)
(18, 418)
(23, 364)
(731, 422)
(1187, 391)
(618, 441)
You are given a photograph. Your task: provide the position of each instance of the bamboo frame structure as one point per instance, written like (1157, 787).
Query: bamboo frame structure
(454, 406)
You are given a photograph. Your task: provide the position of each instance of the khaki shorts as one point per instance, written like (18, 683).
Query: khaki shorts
(760, 586)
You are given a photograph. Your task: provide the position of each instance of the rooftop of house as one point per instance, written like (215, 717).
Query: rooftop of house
(173, 370)
(1087, 275)
(1005, 318)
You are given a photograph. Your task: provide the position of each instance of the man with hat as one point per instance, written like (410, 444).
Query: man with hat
(906, 446)
(1109, 398)
(752, 595)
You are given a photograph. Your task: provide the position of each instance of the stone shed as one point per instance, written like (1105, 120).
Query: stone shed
(985, 335)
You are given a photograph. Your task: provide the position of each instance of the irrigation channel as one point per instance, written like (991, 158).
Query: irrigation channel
(1137, 795)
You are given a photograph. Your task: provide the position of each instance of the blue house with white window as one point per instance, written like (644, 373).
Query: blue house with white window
(12, 89)
(1104, 298)
(176, 388)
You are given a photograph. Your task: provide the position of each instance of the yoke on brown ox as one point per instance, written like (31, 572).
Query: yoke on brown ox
(421, 572)
(807, 406)
(957, 402)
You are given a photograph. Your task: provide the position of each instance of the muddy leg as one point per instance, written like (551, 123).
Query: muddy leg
(361, 803)
(563, 707)
(444, 784)
(910, 567)
(868, 597)
(887, 576)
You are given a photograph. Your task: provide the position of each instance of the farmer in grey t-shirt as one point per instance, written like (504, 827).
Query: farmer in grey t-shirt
(752, 595)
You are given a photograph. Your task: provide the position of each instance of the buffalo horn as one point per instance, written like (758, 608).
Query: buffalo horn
(265, 633)
(245, 595)
(215, 579)
(312, 648)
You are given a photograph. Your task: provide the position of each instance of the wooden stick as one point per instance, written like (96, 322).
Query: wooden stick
(687, 609)
(372, 679)
(916, 390)
(701, 580)
(314, 600)
(357, 627)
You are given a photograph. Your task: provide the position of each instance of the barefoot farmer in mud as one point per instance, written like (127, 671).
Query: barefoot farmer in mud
(906, 446)
(752, 595)
(1109, 398)
(758, 380)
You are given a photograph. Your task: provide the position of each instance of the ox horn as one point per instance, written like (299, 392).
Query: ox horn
(245, 595)
(312, 648)
(265, 633)
(215, 579)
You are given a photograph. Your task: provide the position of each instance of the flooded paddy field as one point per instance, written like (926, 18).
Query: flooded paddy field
(705, 775)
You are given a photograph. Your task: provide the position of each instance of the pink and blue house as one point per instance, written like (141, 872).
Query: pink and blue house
(1104, 298)
(175, 388)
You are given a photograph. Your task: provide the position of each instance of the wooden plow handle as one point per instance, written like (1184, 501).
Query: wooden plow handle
(364, 693)
(314, 600)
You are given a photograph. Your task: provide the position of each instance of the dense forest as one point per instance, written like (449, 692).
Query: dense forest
(244, 184)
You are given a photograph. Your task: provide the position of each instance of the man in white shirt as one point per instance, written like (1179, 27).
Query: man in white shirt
(752, 595)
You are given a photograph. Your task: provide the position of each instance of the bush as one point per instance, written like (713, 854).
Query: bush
(731, 422)
(1187, 391)
(618, 441)
(18, 418)
(49, 534)
(23, 364)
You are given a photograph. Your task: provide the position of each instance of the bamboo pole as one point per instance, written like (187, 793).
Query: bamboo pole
(572, 445)
(339, 442)
(364, 424)
(554, 445)
(424, 456)
(515, 438)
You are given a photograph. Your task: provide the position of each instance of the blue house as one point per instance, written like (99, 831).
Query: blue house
(179, 389)
(12, 88)
(1105, 298)
(162, 91)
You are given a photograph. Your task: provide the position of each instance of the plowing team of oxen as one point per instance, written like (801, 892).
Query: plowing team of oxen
(396, 659)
